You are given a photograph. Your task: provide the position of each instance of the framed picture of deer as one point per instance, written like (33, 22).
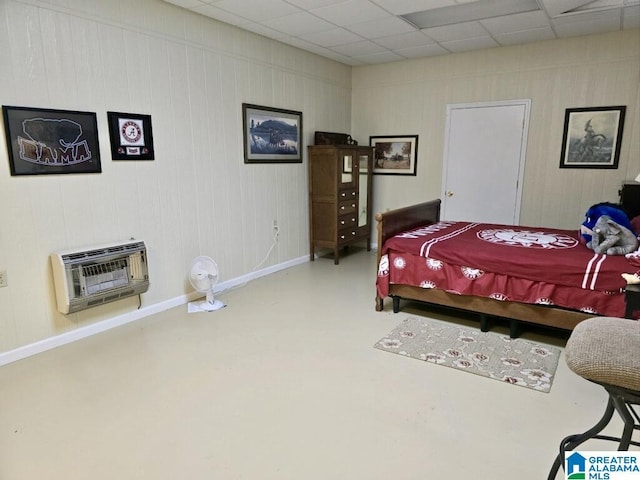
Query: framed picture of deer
(271, 135)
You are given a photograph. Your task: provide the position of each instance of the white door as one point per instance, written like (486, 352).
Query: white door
(484, 153)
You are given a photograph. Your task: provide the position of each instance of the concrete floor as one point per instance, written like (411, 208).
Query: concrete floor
(283, 383)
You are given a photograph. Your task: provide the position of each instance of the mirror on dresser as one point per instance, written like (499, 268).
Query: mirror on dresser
(347, 168)
(363, 190)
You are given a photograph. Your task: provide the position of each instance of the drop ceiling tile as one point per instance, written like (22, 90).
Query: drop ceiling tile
(458, 31)
(350, 12)
(324, 52)
(422, 51)
(401, 7)
(405, 40)
(222, 15)
(382, 57)
(310, 4)
(257, 10)
(578, 29)
(470, 44)
(310, 47)
(185, 3)
(515, 22)
(381, 27)
(344, 59)
(558, 7)
(597, 4)
(338, 36)
(599, 16)
(357, 26)
(358, 48)
(299, 23)
(525, 36)
(263, 30)
(587, 24)
(298, 42)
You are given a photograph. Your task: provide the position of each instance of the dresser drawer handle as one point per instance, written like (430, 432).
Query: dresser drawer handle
(343, 194)
(341, 222)
(342, 237)
(353, 233)
(342, 207)
(353, 205)
(353, 194)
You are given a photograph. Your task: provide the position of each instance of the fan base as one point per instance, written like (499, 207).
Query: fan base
(205, 306)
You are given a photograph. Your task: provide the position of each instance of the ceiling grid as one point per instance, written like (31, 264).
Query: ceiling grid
(362, 32)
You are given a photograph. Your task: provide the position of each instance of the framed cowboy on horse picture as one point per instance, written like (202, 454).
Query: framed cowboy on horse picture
(592, 137)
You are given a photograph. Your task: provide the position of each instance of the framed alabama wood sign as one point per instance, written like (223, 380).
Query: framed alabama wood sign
(43, 141)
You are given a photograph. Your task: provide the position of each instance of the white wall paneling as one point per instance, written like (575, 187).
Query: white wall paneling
(411, 98)
(191, 74)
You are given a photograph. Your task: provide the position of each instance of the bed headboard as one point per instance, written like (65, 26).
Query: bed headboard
(402, 219)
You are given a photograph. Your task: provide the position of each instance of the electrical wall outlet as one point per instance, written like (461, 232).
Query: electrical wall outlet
(3, 278)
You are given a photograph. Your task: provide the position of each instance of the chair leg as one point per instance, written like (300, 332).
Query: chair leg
(572, 441)
(624, 410)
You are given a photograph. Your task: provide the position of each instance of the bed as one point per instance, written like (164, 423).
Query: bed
(486, 269)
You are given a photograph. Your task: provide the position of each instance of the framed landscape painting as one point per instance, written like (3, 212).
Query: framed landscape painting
(394, 155)
(271, 135)
(592, 137)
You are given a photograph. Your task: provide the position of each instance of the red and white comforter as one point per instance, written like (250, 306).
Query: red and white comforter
(513, 263)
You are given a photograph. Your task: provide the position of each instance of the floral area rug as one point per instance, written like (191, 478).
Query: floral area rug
(515, 361)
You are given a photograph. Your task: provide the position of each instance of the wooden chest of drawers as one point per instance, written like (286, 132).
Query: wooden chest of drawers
(340, 181)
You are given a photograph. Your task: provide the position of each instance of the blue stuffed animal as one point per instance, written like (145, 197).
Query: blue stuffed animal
(607, 229)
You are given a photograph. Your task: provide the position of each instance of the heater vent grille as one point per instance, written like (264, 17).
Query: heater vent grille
(88, 277)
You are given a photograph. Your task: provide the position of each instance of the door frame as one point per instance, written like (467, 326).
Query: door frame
(526, 103)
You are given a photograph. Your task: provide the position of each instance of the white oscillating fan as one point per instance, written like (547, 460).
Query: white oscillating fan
(203, 276)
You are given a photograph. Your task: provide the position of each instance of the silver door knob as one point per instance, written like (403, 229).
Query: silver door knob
(449, 193)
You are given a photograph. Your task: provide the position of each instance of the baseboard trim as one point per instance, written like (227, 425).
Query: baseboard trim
(50, 343)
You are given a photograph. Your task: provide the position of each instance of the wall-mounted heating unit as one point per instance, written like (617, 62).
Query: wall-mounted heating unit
(97, 275)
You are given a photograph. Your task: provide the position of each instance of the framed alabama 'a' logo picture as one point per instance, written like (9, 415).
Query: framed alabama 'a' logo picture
(131, 136)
